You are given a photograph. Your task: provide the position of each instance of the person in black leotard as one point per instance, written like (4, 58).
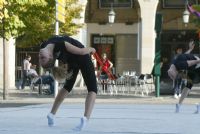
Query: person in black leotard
(178, 83)
(185, 66)
(77, 57)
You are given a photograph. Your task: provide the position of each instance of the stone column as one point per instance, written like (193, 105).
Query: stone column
(10, 56)
(11, 62)
(148, 11)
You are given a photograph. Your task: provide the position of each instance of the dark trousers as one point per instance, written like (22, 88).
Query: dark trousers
(47, 79)
(104, 80)
(24, 78)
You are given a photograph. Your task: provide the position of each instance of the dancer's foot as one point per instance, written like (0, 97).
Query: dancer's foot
(50, 118)
(175, 96)
(179, 95)
(197, 108)
(177, 108)
(81, 126)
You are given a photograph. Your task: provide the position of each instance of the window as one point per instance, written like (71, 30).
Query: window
(116, 3)
(176, 3)
(103, 39)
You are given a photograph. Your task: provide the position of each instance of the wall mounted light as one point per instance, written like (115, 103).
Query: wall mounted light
(186, 14)
(111, 15)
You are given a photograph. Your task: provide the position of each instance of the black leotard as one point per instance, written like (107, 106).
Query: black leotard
(75, 62)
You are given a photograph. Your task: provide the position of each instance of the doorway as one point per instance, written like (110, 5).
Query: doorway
(126, 53)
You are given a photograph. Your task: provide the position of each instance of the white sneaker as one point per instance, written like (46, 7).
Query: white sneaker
(175, 96)
(177, 108)
(197, 108)
(179, 95)
(81, 126)
(50, 118)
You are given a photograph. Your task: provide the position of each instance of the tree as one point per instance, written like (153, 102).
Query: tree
(32, 21)
(195, 19)
(2, 12)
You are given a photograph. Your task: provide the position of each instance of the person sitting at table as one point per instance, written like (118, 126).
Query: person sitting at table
(46, 79)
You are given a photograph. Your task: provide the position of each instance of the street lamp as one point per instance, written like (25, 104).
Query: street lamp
(111, 15)
(186, 14)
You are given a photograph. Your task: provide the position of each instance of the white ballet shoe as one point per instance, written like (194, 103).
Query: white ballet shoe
(81, 126)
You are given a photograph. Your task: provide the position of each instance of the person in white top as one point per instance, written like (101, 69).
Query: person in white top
(25, 69)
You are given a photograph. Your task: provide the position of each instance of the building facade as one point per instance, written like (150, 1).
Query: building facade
(130, 40)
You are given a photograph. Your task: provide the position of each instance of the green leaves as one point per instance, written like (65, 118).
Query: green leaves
(195, 19)
(196, 7)
(31, 21)
(29, 2)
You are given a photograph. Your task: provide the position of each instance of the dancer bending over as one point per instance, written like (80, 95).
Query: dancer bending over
(76, 57)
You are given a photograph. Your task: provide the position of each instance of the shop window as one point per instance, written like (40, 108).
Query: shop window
(176, 3)
(104, 44)
(103, 40)
(115, 3)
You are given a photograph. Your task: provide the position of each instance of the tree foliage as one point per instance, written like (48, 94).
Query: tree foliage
(195, 19)
(32, 21)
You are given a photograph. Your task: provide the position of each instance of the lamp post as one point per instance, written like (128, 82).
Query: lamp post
(5, 62)
(186, 14)
(111, 15)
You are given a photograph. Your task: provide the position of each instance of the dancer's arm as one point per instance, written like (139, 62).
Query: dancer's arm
(192, 62)
(191, 47)
(111, 64)
(79, 51)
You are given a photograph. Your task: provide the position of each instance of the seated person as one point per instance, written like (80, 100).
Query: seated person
(27, 78)
(44, 79)
(47, 79)
(32, 72)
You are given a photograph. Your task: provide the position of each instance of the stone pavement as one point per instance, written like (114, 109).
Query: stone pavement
(24, 112)
(106, 119)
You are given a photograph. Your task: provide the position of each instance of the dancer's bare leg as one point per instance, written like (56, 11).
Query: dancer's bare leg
(184, 94)
(59, 99)
(89, 104)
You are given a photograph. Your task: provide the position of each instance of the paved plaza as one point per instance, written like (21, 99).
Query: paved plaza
(25, 113)
(106, 119)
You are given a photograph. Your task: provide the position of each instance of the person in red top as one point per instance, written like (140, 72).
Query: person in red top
(107, 64)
